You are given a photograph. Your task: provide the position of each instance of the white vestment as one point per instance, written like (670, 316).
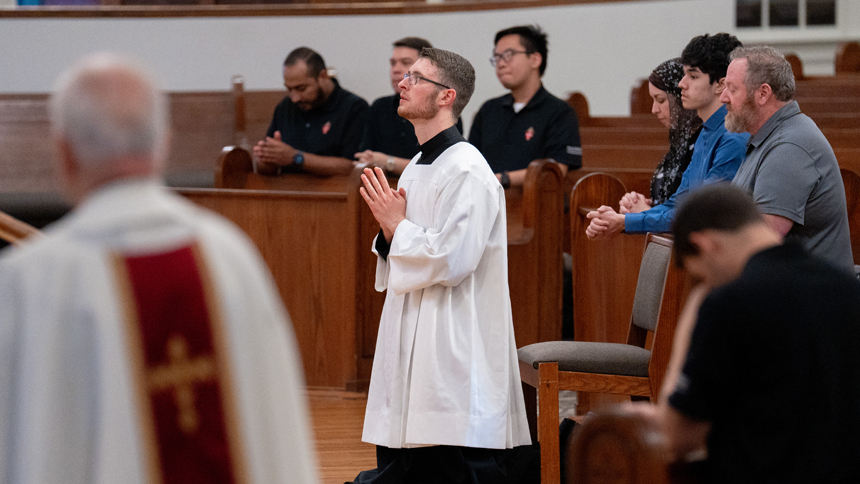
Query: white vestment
(445, 371)
(67, 406)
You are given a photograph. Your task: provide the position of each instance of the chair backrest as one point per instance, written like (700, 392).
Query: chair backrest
(651, 282)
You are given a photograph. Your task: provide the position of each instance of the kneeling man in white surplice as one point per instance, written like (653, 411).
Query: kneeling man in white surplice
(445, 401)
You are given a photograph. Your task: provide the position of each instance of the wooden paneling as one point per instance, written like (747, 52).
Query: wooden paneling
(304, 237)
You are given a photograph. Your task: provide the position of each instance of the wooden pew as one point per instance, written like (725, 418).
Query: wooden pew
(307, 233)
(316, 232)
(614, 447)
(848, 58)
(200, 122)
(535, 217)
(604, 273)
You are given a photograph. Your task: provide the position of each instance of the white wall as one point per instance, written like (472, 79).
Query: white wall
(598, 49)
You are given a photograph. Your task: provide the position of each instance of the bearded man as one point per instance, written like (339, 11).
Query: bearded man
(790, 168)
(317, 128)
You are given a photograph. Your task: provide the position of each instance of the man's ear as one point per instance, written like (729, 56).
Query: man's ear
(535, 60)
(704, 241)
(446, 97)
(323, 75)
(763, 94)
(720, 86)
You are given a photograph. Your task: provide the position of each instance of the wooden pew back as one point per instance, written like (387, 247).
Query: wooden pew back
(200, 123)
(310, 232)
(604, 273)
(616, 447)
(851, 180)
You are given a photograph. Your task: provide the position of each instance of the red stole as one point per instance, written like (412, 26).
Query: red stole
(187, 409)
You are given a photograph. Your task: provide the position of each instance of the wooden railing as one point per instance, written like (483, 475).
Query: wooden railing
(209, 8)
(15, 231)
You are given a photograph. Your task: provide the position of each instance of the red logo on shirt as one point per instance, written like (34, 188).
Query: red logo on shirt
(326, 127)
(530, 133)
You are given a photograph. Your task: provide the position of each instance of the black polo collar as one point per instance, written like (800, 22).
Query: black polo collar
(438, 144)
(540, 95)
(330, 104)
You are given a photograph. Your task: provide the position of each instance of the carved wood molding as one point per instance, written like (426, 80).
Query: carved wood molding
(294, 9)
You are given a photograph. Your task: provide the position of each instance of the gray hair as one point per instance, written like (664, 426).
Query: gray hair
(107, 107)
(454, 71)
(766, 65)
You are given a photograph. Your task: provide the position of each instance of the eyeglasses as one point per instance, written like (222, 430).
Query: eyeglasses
(506, 56)
(414, 78)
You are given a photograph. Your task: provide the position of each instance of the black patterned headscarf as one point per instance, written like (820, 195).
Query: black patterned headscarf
(684, 127)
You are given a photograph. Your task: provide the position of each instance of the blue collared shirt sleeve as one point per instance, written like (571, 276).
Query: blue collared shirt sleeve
(657, 219)
(730, 153)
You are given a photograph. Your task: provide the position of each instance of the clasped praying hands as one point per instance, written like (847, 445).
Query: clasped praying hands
(387, 204)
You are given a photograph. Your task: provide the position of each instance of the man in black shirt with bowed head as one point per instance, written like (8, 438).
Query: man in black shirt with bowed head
(317, 128)
(765, 371)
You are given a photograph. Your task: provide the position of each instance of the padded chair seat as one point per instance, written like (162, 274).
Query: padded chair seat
(588, 357)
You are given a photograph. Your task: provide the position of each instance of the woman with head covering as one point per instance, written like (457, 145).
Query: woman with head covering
(684, 126)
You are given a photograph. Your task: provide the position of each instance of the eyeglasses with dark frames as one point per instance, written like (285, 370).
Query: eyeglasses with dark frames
(507, 55)
(413, 79)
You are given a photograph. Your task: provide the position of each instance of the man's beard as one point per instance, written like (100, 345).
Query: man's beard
(427, 110)
(739, 120)
(318, 100)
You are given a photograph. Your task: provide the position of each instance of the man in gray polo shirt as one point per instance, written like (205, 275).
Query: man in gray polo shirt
(790, 168)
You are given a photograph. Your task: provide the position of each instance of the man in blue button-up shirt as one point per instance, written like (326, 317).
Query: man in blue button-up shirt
(717, 153)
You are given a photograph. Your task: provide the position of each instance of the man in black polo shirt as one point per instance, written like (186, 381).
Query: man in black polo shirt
(317, 127)
(389, 140)
(769, 381)
(528, 123)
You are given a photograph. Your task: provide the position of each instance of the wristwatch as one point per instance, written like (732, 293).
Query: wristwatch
(390, 164)
(299, 159)
(505, 180)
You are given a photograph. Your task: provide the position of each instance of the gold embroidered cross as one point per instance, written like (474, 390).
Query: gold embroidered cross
(180, 375)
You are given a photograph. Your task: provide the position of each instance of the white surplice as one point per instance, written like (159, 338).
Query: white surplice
(67, 412)
(445, 371)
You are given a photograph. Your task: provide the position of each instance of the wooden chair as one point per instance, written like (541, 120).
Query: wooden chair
(15, 231)
(626, 369)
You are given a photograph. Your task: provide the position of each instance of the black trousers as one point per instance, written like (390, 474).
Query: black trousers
(454, 465)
